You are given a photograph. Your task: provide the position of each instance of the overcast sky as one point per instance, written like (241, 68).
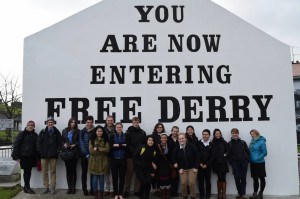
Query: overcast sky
(18, 19)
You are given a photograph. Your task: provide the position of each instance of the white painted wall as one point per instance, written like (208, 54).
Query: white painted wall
(57, 64)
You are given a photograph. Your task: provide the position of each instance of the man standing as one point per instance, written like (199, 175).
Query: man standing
(48, 146)
(110, 130)
(206, 160)
(238, 158)
(84, 137)
(134, 137)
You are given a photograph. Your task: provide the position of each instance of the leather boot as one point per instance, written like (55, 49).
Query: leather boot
(219, 186)
(96, 195)
(224, 184)
(162, 194)
(168, 193)
(100, 194)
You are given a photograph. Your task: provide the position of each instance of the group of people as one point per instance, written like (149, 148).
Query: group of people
(159, 160)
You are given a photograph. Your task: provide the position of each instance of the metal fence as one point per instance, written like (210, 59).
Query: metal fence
(5, 151)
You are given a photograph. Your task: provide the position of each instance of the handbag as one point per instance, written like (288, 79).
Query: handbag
(68, 153)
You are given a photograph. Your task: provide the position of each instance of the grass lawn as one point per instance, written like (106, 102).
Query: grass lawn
(7, 193)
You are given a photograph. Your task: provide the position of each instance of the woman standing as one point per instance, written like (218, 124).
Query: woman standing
(220, 166)
(118, 161)
(70, 141)
(191, 136)
(144, 161)
(159, 128)
(258, 152)
(173, 143)
(24, 151)
(186, 160)
(98, 162)
(164, 167)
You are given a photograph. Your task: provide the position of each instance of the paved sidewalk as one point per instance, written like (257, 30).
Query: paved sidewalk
(61, 194)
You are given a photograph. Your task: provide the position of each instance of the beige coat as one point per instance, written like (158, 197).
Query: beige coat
(99, 162)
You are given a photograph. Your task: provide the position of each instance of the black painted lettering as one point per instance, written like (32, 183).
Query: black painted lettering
(116, 73)
(149, 43)
(193, 43)
(129, 106)
(164, 114)
(75, 109)
(144, 13)
(203, 71)
(178, 44)
(189, 108)
(96, 75)
(211, 43)
(136, 73)
(213, 107)
(263, 107)
(226, 75)
(130, 43)
(175, 14)
(236, 107)
(173, 71)
(110, 42)
(51, 109)
(101, 117)
(154, 77)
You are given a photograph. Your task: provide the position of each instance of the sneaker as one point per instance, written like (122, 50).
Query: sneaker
(120, 197)
(53, 191)
(85, 192)
(46, 190)
(126, 194)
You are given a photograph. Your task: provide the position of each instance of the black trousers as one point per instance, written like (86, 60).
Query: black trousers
(204, 175)
(71, 172)
(27, 176)
(118, 171)
(84, 171)
(240, 172)
(144, 176)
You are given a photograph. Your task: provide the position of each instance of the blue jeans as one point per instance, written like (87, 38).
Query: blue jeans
(95, 179)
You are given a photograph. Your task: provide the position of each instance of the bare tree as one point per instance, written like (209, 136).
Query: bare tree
(9, 96)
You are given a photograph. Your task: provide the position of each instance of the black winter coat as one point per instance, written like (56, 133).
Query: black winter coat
(172, 144)
(164, 162)
(75, 140)
(206, 153)
(221, 152)
(238, 150)
(187, 158)
(134, 138)
(193, 139)
(143, 158)
(25, 145)
(48, 145)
